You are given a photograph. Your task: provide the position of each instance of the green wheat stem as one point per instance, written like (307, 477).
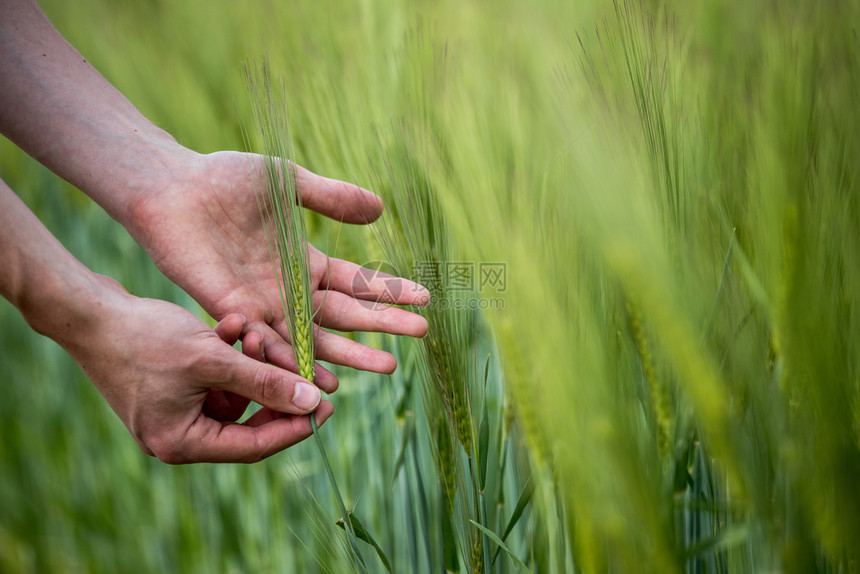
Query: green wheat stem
(350, 530)
(280, 206)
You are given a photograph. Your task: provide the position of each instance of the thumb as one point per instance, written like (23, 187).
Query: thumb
(270, 386)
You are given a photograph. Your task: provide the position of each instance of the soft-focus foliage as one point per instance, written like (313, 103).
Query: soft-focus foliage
(674, 358)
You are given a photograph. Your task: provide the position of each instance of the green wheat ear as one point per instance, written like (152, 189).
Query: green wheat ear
(280, 205)
(281, 210)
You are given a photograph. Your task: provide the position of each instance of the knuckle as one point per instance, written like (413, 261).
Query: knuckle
(263, 452)
(146, 450)
(208, 365)
(255, 458)
(355, 354)
(168, 451)
(340, 312)
(268, 386)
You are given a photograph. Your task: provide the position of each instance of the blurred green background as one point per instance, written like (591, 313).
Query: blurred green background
(673, 188)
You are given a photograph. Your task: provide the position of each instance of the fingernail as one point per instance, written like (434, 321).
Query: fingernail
(306, 397)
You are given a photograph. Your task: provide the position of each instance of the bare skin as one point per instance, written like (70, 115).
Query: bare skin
(177, 384)
(230, 269)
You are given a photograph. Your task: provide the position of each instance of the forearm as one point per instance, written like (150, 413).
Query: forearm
(61, 111)
(166, 374)
(53, 291)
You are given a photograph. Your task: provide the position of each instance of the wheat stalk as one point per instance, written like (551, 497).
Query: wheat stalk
(280, 205)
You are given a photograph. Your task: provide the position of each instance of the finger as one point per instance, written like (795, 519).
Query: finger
(337, 199)
(222, 405)
(278, 351)
(212, 441)
(269, 386)
(265, 416)
(372, 285)
(252, 346)
(328, 347)
(342, 351)
(344, 313)
(229, 329)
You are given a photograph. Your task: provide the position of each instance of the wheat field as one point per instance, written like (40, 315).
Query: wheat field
(640, 224)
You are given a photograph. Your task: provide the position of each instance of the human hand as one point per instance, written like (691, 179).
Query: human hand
(205, 233)
(168, 376)
(179, 386)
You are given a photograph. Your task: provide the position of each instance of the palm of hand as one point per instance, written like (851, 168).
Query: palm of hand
(207, 236)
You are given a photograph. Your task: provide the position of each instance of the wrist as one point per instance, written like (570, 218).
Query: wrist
(66, 308)
(158, 190)
(149, 165)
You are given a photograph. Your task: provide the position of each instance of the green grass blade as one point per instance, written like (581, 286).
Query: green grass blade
(364, 535)
(492, 536)
(523, 501)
